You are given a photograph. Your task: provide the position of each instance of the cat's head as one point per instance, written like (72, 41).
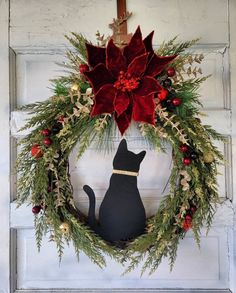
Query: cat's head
(127, 160)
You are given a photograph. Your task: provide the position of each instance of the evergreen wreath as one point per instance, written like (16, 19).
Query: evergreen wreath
(112, 84)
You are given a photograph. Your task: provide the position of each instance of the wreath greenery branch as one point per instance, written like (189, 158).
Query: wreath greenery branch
(44, 178)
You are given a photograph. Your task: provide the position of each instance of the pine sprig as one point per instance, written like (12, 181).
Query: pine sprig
(78, 41)
(173, 47)
(40, 229)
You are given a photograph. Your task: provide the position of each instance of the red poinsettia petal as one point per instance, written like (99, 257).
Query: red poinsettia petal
(148, 86)
(148, 42)
(115, 61)
(99, 76)
(95, 54)
(138, 65)
(121, 102)
(104, 100)
(123, 121)
(144, 109)
(158, 63)
(135, 47)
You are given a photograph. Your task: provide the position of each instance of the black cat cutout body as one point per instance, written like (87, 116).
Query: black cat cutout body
(121, 214)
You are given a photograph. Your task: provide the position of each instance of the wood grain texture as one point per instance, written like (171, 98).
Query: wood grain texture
(43, 22)
(187, 19)
(22, 217)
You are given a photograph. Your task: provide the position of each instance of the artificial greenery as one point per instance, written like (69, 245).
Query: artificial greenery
(45, 181)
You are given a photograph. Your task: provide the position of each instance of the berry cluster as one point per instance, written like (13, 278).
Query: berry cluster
(167, 95)
(187, 223)
(126, 83)
(189, 154)
(37, 150)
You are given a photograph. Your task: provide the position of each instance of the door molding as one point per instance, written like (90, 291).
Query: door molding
(126, 291)
(4, 148)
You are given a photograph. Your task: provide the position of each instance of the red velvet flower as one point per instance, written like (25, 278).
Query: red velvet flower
(123, 80)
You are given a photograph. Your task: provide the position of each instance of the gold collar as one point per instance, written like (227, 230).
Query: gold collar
(124, 172)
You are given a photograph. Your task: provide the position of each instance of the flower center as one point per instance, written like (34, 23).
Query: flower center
(126, 83)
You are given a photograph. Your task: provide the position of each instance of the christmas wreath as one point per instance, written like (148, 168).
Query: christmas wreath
(108, 86)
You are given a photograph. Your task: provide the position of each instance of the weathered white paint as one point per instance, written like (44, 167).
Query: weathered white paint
(43, 22)
(130, 290)
(36, 35)
(4, 150)
(232, 246)
(22, 218)
(190, 19)
(69, 274)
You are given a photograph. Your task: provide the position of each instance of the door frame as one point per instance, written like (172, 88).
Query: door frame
(4, 148)
(8, 249)
(232, 62)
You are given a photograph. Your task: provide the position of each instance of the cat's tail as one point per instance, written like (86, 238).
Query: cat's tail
(92, 202)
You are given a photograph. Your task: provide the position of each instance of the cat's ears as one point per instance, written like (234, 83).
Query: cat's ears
(141, 156)
(122, 146)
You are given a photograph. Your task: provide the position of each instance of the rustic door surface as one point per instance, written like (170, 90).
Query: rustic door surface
(31, 41)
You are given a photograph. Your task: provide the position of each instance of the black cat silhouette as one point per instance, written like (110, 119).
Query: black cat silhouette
(121, 214)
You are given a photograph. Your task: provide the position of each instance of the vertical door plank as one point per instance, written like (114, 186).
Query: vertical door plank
(232, 53)
(4, 148)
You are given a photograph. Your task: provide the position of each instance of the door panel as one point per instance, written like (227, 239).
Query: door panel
(190, 267)
(36, 37)
(34, 72)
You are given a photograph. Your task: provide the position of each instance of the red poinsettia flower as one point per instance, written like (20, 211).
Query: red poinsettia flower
(123, 79)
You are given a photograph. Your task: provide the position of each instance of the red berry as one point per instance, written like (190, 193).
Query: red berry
(187, 161)
(188, 218)
(171, 71)
(47, 141)
(83, 68)
(36, 209)
(162, 95)
(36, 151)
(187, 224)
(176, 102)
(45, 132)
(183, 148)
(49, 189)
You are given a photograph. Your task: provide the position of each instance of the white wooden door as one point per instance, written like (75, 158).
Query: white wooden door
(32, 40)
